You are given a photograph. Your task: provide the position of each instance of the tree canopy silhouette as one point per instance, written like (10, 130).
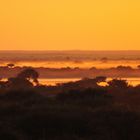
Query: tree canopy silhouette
(10, 65)
(118, 83)
(29, 74)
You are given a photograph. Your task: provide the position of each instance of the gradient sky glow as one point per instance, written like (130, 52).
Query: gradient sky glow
(70, 24)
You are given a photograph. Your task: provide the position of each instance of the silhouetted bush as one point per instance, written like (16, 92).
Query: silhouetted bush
(118, 83)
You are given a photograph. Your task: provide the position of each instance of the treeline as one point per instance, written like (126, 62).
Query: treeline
(68, 72)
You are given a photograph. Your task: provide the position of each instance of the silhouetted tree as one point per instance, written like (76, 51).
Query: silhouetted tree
(100, 79)
(29, 74)
(10, 65)
(118, 83)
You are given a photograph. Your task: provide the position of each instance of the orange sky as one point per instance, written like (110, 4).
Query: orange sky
(69, 24)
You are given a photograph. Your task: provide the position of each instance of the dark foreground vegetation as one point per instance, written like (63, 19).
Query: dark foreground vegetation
(81, 110)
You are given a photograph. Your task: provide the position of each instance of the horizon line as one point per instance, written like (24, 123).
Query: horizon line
(62, 50)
